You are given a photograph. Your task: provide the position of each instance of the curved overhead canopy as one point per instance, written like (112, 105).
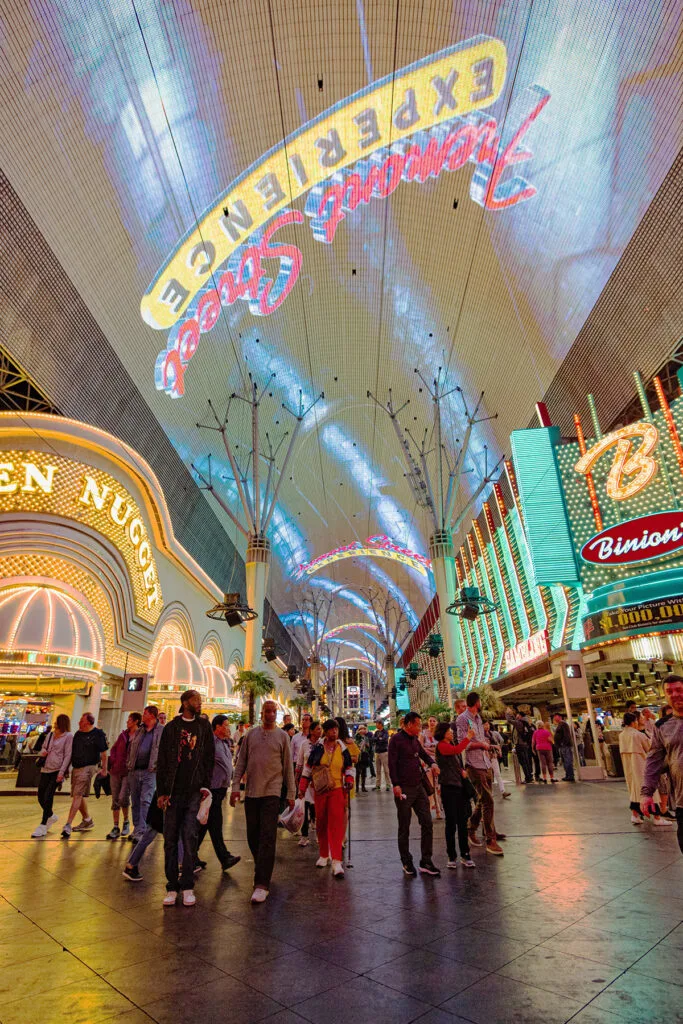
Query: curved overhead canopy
(359, 192)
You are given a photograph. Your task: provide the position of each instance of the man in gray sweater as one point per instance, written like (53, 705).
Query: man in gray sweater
(667, 752)
(266, 760)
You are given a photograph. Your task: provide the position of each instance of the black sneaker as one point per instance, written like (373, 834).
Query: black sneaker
(409, 869)
(132, 874)
(199, 865)
(428, 867)
(230, 862)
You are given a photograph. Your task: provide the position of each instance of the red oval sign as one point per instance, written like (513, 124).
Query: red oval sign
(637, 540)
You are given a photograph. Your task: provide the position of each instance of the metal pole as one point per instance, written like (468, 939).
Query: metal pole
(348, 844)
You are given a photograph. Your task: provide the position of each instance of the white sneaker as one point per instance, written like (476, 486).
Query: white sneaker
(322, 862)
(662, 821)
(452, 864)
(636, 819)
(39, 832)
(189, 898)
(304, 841)
(170, 898)
(52, 820)
(337, 869)
(259, 895)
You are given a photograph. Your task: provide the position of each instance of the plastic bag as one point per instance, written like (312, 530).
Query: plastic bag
(293, 818)
(204, 808)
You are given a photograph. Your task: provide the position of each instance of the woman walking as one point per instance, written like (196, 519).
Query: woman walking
(456, 801)
(314, 733)
(56, 758)
(542, 743)
(329, 766)
(429, 741)
(633, 747)
(364, 743)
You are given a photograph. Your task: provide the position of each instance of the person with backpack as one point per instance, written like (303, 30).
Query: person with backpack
(523, 736)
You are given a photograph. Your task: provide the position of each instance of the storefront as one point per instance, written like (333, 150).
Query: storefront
(97, 595)
(603, 517)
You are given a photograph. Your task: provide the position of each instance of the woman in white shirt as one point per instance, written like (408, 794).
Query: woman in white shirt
(310, 739)
(56, 758)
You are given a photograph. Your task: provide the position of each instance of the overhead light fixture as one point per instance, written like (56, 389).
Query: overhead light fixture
(269, 653)
(232, 610)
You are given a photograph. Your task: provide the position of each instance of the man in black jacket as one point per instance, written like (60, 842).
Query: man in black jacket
(184, 768)
(405, 754)
(523, 735)
(565, 747)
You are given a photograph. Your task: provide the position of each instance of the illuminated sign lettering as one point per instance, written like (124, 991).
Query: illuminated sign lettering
(374, 547)
(73, 490)
(636, 540)
(638, 465)
(648, 616)
(34, 479)
(410, 126)
(535, 646)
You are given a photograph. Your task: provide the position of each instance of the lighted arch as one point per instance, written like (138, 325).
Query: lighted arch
(173, 629)
(378, 546)
(211, 650)
(332, 633)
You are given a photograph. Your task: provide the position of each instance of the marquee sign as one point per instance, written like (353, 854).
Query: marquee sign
(411, 126)
(35, 482)
(534, 647)
(649, 616)
(636, 540)
(379, 546)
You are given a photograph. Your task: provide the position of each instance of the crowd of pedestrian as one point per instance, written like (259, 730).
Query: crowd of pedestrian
(172, 779)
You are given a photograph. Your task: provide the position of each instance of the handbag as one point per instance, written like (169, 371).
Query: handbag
(469, 790)
(427, 782)
(322, 778)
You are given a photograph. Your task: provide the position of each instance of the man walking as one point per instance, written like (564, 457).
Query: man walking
(265, 758)
(183, 774)
(380, 743)
(479, 754)
(667, 752)
(143, 754)
(220, 782)
(563, 742)
(118, 776)
(404, 755)
(88, 756)
(523, 735)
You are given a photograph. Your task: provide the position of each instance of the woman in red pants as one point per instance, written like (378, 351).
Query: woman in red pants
(329, 765)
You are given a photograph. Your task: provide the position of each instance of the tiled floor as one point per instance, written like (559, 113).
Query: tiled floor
(581, 921)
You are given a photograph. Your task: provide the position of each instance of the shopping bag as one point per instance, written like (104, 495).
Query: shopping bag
(293, 817)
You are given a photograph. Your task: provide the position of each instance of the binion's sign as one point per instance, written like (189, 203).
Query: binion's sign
(637, 540)
(412, 126)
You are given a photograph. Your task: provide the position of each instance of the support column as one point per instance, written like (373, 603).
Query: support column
(576, 687)
(316, 669)
(443, 566)
(257, 568)
(94, 700)
(391, 684)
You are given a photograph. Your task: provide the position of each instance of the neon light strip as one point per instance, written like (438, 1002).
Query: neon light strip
(589, 476)
(673, 431)
(483, 620)
(511, 564)
(503, 586)
(350, 625)
(497, 619)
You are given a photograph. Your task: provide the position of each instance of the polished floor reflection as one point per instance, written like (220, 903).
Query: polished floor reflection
(581, 920)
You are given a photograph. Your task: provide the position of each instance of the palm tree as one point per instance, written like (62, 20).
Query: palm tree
(299, 703)
(253, 684)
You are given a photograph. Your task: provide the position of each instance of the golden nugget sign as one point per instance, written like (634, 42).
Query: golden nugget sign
(34, 482)
(410, 126)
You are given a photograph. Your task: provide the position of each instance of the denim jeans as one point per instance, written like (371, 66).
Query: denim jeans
(142, 785)
(567, 755)
(180, 823)
(148, 837)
